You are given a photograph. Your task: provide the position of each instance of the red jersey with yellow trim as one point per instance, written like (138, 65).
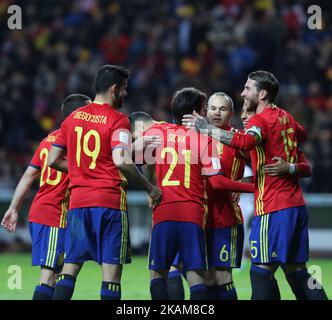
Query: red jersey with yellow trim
(181, 162)
(277, 130)
(50, 205)
(90, 134)
(223, 212)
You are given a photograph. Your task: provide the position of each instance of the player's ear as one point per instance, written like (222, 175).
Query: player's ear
(262, 94)
(113, 88)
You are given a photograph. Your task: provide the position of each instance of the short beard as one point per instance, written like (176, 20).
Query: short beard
(252, 105)
(118, 101)
(119, 104)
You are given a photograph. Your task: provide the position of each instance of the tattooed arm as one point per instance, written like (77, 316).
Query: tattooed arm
(236, 140)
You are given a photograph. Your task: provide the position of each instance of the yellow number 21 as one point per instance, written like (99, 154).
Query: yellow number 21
(166, 181)
(90, 153)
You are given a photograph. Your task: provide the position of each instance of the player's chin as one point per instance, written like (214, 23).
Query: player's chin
(216, 123)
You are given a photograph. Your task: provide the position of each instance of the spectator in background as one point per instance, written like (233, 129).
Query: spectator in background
(167, 45)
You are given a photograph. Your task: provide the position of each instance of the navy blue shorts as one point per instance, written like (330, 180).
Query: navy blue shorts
(225, 246)
(280, 236)
(172, 237)
(99, 234)
(176, 262)
(47, 246)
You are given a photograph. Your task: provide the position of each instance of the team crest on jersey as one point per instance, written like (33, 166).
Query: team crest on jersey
(283, 120)
(51, 138)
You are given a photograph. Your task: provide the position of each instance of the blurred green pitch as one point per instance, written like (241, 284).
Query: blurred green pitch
(135, 281)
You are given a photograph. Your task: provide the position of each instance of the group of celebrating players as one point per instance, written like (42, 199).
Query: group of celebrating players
(192, 170)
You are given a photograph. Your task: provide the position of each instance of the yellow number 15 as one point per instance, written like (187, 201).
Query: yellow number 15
(90, 153)
(289, 144)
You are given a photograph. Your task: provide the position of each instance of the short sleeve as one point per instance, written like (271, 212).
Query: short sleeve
(35, 161)
(121, 136)
(61, 137)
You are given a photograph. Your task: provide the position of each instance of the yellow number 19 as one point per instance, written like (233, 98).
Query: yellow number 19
(90, 153)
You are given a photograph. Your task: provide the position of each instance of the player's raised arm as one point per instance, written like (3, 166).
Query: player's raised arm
(10, 218)
(242, 141)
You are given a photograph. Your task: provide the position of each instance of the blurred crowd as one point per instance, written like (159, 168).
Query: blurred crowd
(209, 44)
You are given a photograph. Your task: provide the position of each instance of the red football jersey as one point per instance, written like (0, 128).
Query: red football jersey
(50, 205)
(277, 129)
(90, 134)
(223, 212)
(181, 162)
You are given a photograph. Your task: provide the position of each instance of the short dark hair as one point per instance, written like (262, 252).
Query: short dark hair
(139, 116)
(72, 103)
(108, 75)
(185, 101)
(265, 80)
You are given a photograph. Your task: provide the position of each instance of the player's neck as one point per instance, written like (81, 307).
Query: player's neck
(100, 99)
(262, 106)
(225, 127)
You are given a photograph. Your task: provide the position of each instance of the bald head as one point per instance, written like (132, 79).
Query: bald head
(221, 97)
(220, 110)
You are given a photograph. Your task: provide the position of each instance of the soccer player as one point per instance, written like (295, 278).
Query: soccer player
(47, 215)
(178, 221)
(97, 141)
(140, 122)
(301, 169)
(279, 234)
(224, 230)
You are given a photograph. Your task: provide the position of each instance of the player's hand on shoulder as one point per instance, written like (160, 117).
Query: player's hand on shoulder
(9, 220)
(279, 168)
